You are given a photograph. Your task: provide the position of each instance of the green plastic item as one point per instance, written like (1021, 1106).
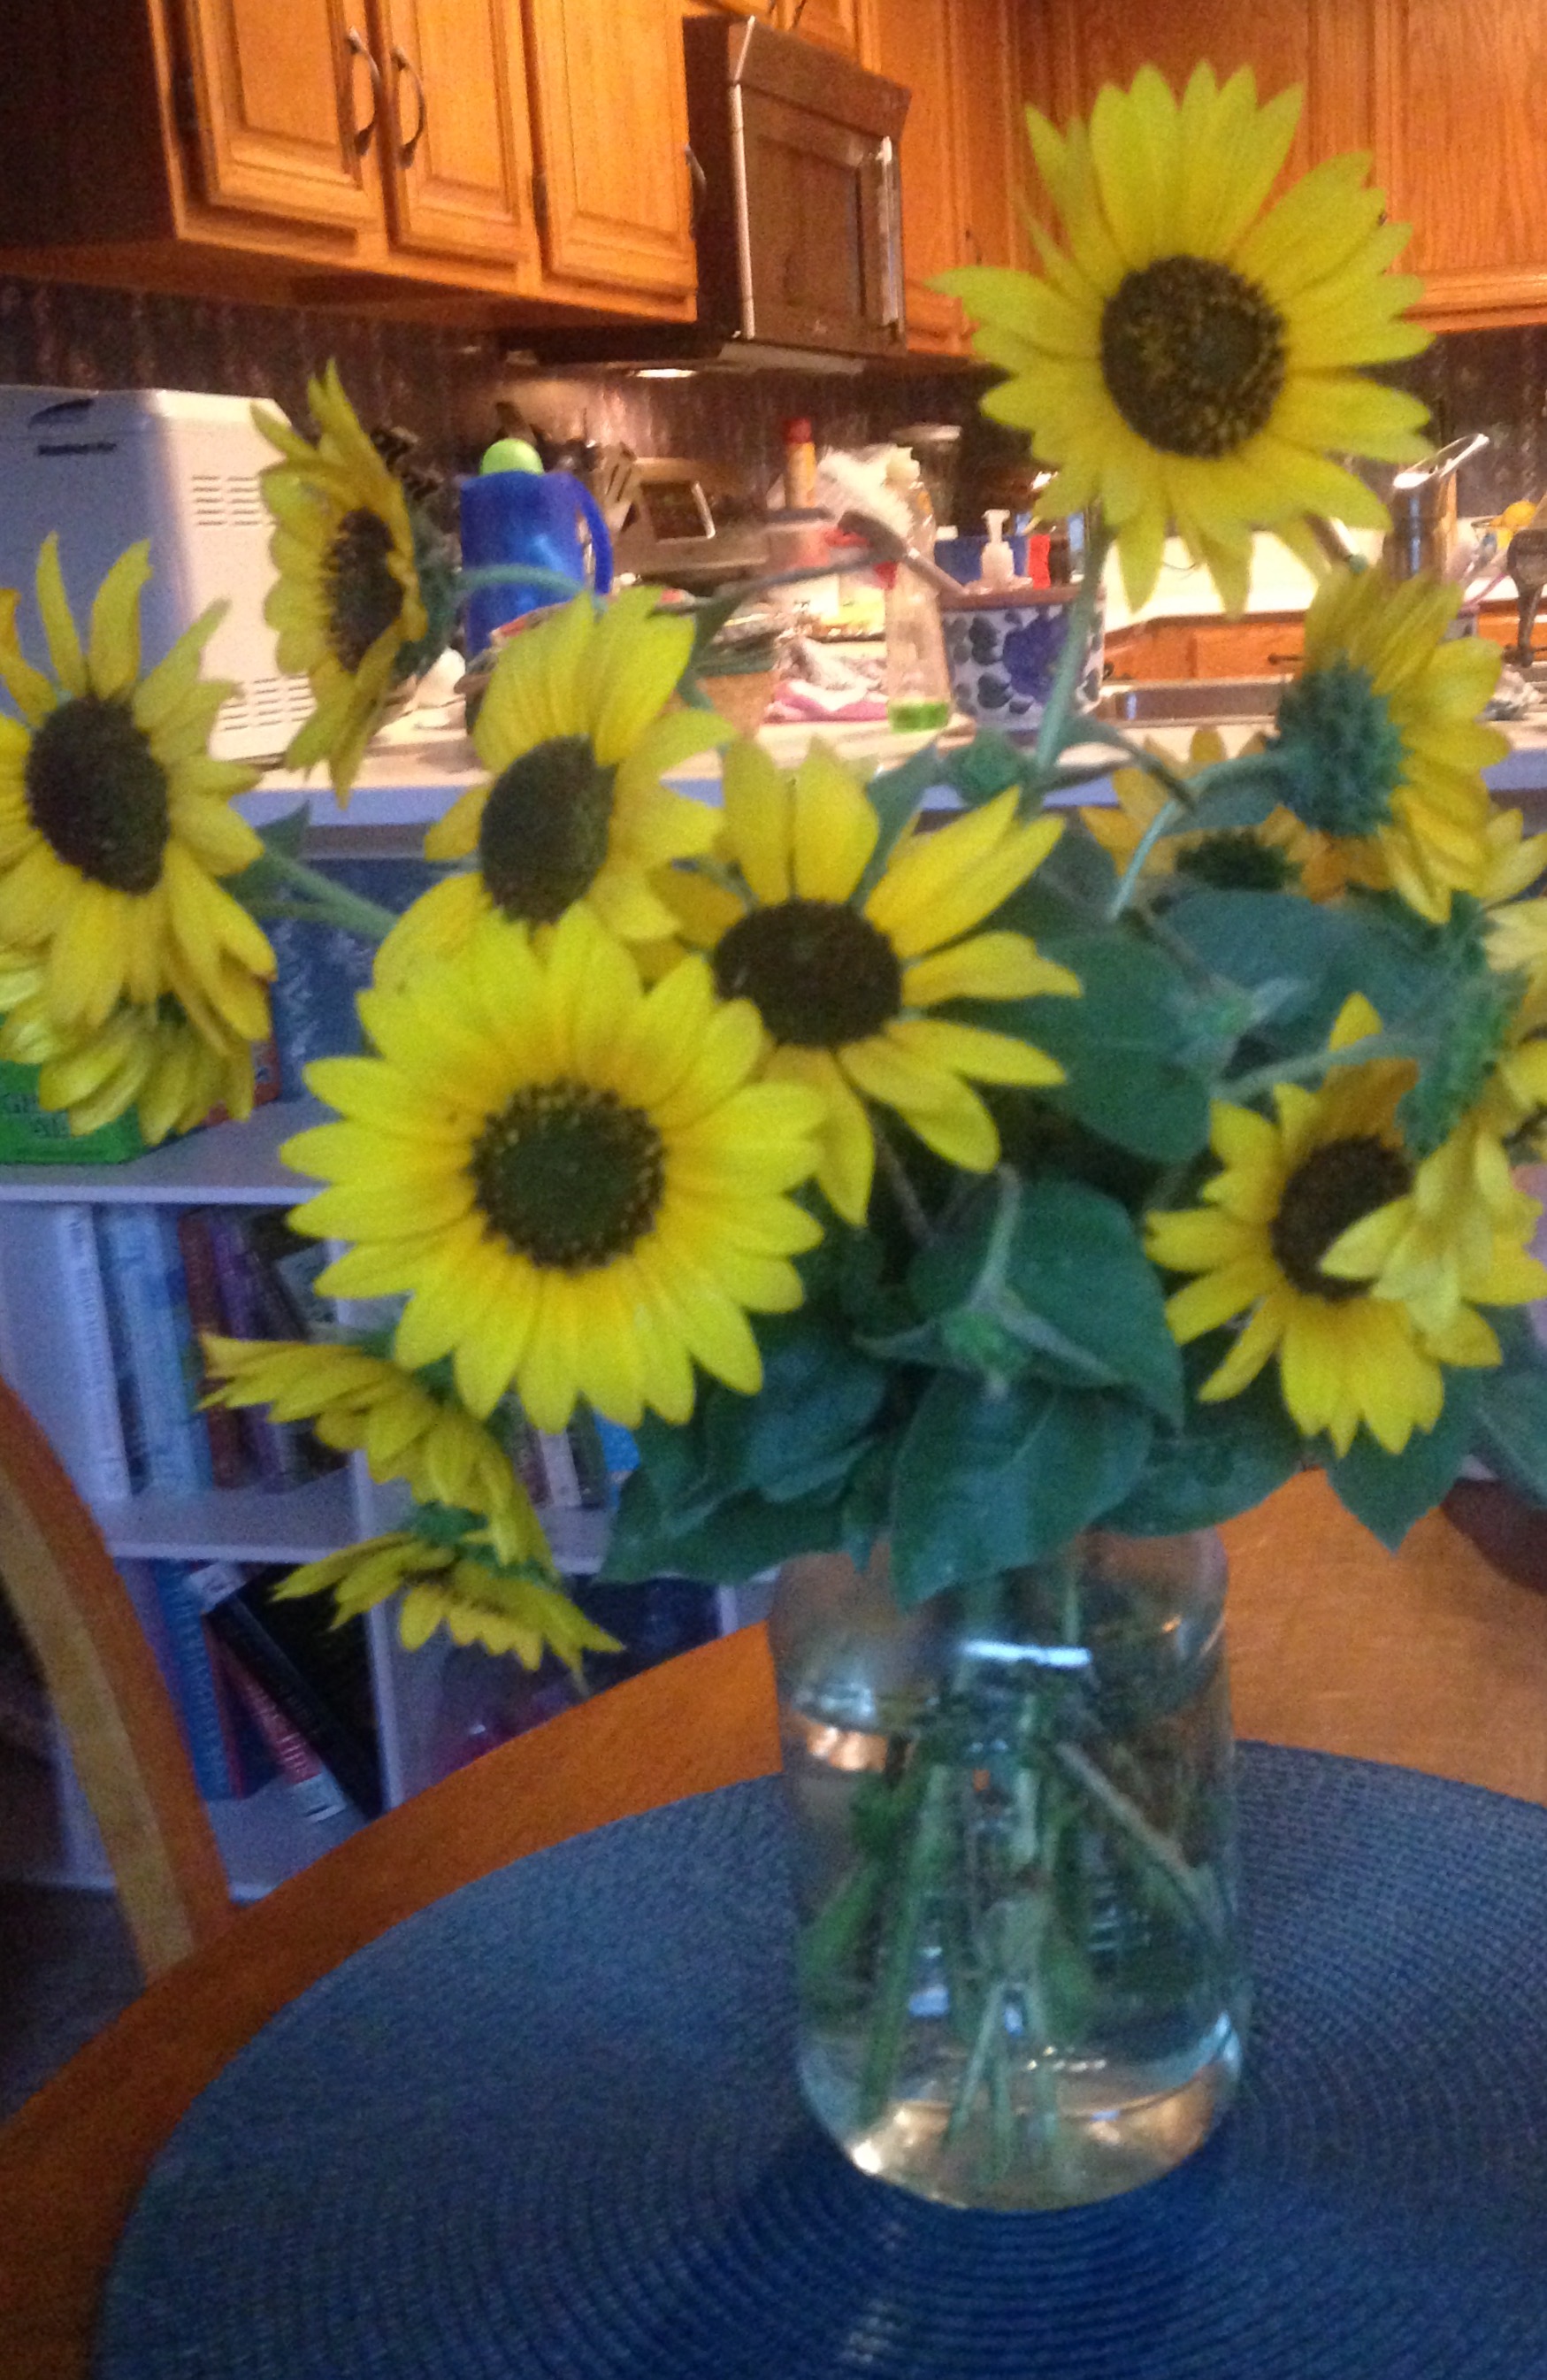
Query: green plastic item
(28, 1135)
(511, 454)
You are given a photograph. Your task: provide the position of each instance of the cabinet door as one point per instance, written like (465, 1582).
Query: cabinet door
(913, 45)
(837, 24)
(609, 108)
(1461, 150)
(287, 105)
(455, 148)
(995, 158)
(1071, 47)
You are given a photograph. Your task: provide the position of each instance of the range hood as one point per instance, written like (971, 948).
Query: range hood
(797, 213)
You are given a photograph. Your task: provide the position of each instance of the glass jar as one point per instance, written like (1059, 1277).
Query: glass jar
(1020, 1977)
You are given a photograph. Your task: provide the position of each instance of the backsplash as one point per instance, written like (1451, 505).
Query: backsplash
(444, 385)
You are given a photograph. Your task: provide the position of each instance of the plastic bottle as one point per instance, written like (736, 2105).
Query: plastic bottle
(799, 466)
(998, 566)
(918, 683)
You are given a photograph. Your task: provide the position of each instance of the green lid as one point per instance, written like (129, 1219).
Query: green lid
(511, 454)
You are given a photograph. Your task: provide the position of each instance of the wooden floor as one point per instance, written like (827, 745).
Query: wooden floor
(1430, 1657)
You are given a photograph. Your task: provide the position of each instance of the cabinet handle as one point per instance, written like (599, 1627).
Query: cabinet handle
(700, 181)
(1284, 660)
(406, 66)
(360, 48)
(891, 237)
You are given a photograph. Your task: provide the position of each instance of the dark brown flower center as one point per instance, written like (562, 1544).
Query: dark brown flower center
(1193, 356)
(1334, 1187)
(98, 795)
(542, 841)
(571, 1175)
(365, 597)
(818, 973)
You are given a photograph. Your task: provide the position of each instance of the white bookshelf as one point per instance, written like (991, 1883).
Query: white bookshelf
(46, 1830)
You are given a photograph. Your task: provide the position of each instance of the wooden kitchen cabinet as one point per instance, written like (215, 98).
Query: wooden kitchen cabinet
(609, 117)
(837, 24)
(996, 158)
(455, 149)
(286, 98)
(915, 44)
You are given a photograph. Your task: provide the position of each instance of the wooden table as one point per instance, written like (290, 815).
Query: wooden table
(1433, 1659)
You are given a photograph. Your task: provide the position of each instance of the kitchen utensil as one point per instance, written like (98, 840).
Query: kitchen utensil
(1526, 563)
(532, 519)
(1423, 534)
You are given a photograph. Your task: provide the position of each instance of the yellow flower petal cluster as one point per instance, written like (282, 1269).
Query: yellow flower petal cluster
(474, 1598)
(844, 982)
(355, 1401)
(116, 821)
(1459, 1234)
(575, 732)
(1289, 1189)
(576, 1182)
(1385, 746)
(346, 605)
(1187, 360)
(150, 1058)
(1290, 852)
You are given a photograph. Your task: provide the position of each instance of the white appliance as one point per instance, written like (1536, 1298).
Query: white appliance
(180, 468)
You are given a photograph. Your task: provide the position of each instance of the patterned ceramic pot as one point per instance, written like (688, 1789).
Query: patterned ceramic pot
(1004, 649)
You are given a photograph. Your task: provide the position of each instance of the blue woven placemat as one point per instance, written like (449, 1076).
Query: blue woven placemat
(547, 2126)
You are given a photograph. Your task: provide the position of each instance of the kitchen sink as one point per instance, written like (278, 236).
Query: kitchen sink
(1186, 702)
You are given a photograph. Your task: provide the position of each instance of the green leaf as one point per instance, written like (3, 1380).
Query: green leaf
(1049, 1277)
(1389, 1492)
(867, 1501)
(1311, 958)
(1512, 1418)
(1123, 1044)
(819, 1394)
(980, 771)
(1244, 798)
(739, 1539)
(987, 1482)
(1070, 892)
(1226, 1458)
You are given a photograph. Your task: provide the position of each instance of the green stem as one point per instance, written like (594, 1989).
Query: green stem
(1053, 734)
(1189, 1889)
(518, 574)
(902, 1190)
(1311, 1063)
(1164, 819)
(926, 1849)
(335, 905)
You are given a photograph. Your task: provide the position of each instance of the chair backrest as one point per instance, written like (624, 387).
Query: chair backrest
(110, 1699)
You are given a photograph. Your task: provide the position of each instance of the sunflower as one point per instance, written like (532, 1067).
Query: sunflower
(1191, 360)
(1288, 1192)
(840, 981)
(153, 1059)
(574, 1180)
(1266, 858)
(1460, 1228)
(358, 1400)
(116, 821)
(347, 605)
(1380, 744)
(479, 1600)
(575, 734)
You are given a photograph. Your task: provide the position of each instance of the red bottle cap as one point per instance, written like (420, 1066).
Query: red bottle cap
(797, 433)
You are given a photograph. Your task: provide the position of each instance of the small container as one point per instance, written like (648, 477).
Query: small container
(1004, 646)
(799, 466)
(917, 681)
(998, 566)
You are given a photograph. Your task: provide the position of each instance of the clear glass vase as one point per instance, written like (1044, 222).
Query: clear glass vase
(1020, 1981)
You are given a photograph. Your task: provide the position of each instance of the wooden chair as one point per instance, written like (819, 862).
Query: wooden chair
(72, 2162)
(116, 1714)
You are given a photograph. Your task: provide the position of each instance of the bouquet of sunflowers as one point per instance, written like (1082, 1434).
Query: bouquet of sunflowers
(920, 1162)
(859, 1155)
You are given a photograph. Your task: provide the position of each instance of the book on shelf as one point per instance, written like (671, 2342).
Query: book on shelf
(59, 1348)
(313, 1787)
(158, 1366)
(228, 1460)
(227, 1762)
(254, 1302)
(318, 1675)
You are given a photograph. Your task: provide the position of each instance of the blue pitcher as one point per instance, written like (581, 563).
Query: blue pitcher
(532, 518)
